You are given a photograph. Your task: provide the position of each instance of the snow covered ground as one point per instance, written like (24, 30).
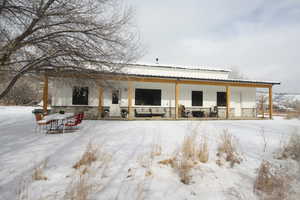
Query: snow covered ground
(129, 143)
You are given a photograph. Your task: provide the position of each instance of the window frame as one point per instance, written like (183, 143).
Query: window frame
(137, 101)
(201, 97)
(80, 102)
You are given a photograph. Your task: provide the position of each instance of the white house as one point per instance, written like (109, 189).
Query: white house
(156, 91)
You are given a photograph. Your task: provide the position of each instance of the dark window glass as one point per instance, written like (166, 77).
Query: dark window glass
(147, 97)
(221, 98)
(197, 98)
(115, 97)
(80, 96)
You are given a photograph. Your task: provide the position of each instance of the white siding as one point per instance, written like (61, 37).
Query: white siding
(241, 97)
(62, 92)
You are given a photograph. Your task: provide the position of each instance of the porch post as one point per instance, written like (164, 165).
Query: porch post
(271, 102)
(45, 94)
(100, 104)
(129, 100)
(227, 102)
(176, 100)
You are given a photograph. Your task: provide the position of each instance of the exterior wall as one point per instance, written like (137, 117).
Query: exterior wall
(62, 92)
(242, 102)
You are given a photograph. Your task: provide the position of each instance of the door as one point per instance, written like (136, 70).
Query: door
(115, 110)
(238, 106)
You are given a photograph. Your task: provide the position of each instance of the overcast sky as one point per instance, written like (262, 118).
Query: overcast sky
(260, 38)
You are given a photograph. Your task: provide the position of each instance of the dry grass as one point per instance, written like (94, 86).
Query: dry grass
(227, 150)
(91, 154)
(38, 173)
(79, 189)
(203, 153)
(293, 115)
(271, 183)
(89, 179)
(292, 148)
(188, 156)
(156, 148)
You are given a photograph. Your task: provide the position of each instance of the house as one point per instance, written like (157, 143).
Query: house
(157, 92)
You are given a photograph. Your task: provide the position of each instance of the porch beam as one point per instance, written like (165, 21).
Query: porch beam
(45, 94)
(228, 94)
(100, 104)
(130, 100)
(271, 102)
(176, 100)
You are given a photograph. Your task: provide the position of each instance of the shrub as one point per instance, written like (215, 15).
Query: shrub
(271, 183)
(203, 153)
(227, 149)
(293, 115)
(292, 149)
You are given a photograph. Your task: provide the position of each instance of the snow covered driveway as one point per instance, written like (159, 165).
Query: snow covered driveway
(21, 149)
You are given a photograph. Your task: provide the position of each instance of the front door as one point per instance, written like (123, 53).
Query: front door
(238, 108)
(115, 104)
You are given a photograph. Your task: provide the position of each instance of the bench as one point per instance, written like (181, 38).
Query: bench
(143, 112)
(158, 112)
(150, 112)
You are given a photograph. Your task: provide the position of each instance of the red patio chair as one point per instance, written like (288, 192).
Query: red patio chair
(75, 121)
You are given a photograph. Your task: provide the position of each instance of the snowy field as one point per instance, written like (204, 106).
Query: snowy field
(130, 173)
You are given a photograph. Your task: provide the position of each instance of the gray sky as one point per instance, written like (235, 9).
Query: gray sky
(259, 38)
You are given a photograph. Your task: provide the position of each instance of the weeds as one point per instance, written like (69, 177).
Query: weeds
(38, 173)
(227, 150)
(187, 156)
(271, 183)
(292, 149)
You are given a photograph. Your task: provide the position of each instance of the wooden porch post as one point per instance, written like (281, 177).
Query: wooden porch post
(45, 94)
(176, 100)
(227, 102)
(271, 102)
(100, 104)
(129, 100)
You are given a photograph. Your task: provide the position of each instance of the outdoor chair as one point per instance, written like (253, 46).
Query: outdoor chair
(213, 112)
(74, 122)
(183, 111)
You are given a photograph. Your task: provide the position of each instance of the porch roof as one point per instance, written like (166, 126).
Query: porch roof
(203, 79)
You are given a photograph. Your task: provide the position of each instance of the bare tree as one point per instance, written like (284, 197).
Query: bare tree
(81, 35)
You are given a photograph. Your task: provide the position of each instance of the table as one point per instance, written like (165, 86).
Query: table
(55, 122)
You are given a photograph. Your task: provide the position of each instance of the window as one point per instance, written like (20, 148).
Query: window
(115, 97)
(80, 96)
(221, 98)
(147, 97)
(197, 98)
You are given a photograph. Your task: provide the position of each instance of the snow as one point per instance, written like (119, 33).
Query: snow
(129, 143)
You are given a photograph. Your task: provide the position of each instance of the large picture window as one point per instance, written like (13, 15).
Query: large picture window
(197, 98)
(221, 98)
(80, 96)
(147, 97)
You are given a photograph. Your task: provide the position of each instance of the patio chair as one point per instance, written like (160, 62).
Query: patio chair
(74, 122)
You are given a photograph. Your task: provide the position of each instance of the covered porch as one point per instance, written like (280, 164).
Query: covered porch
(128, 106)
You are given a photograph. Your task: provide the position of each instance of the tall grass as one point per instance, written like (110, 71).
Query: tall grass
(227, 149)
